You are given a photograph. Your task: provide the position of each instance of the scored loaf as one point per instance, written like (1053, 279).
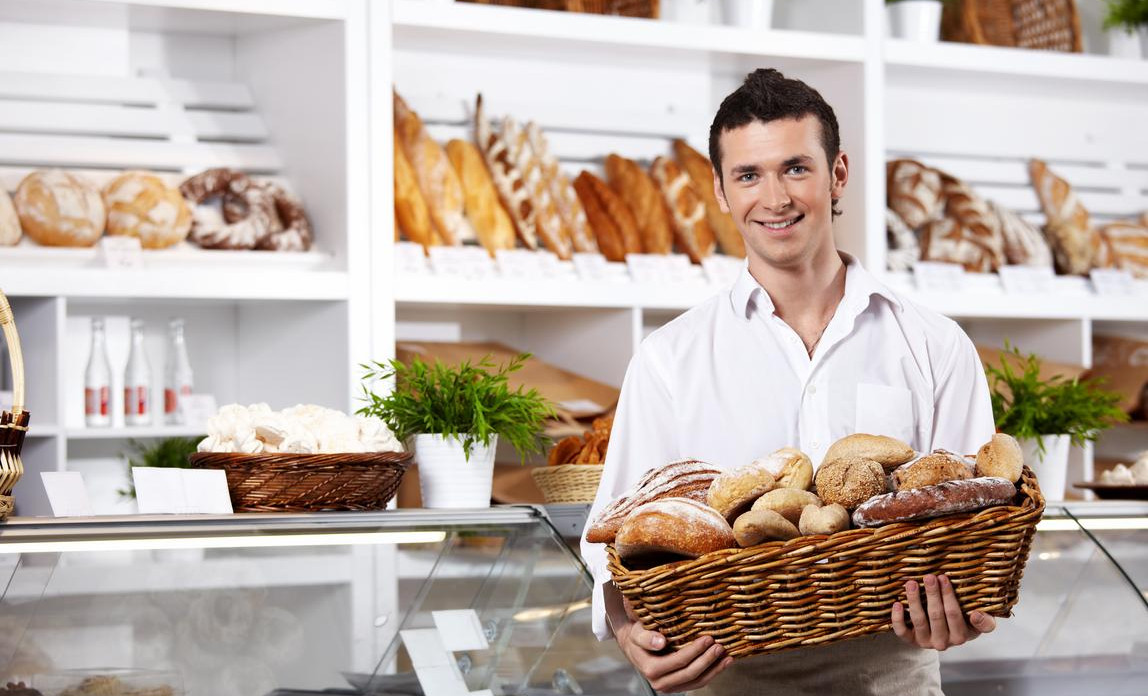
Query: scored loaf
(689, 478)
(611, 220)
(947, 498)
(687, 211)
(562, 190)
(700, 171)
(641, 194)
(673, 526)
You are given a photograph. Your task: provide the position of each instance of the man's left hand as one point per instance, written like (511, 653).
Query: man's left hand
(939, 623)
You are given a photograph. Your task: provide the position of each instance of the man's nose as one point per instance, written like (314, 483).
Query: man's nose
(774, 196)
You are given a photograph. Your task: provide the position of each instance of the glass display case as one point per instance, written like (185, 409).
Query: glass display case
(396, 602)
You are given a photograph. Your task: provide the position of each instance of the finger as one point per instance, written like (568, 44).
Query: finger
(954, 618)
(935, 607)
(982, 622)
(903, 632)
(692, 670)
(708, 675)
(651, 641)
(921, 634)
(663, 665)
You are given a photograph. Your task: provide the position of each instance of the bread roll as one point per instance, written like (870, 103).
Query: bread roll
(687, 211)
(886, 451)
(700, 171)
(758, 526)
(9, 222)
(672, 527)
(823, 519)
(931, 469)
(687, 478)
(787, 502)
(791, 467)
(732, 492)
(849, 481)
(947, 498)
(1001, 457)
(60, 209)
(613, 223)
(641, 194)
(487, 216)
(141, 205)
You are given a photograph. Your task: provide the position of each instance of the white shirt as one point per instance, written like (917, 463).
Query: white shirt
(729, 381)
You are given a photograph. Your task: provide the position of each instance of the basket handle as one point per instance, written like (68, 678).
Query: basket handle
(8, 322)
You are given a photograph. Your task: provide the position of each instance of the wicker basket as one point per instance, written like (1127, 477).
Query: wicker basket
(14, 423)
(308, 482)
(626, 8)
(816, 590)
(568, 483)
(1052, 25)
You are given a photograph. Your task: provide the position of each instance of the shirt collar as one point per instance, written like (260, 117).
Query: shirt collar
(860, 286)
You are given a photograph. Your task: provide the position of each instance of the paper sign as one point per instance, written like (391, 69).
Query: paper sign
(121, 251)
(658, 268)
(410, 258)
(462, 261)
(441, 681)
(460, 629)
(197, 408)
(1027, 280)
(425, 648)
(591, 266)
(933, 276)
(1111, 281)
(721, 269)
(579, 406)
(66, 493)
(181, 491)
(520, 264)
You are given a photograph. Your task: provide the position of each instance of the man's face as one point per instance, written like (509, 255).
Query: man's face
(779, 188)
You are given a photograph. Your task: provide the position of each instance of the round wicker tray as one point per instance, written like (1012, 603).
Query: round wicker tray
(815, 590)
(568, 483)
(308, 482)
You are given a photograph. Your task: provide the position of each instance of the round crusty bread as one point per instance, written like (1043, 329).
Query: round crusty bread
(930, 470)
(849, 481)
(887, 451)
(675, 527)
(947, 498)
(823, 519)
(689, 478)
(733, 491)
(9, 222)
(790, 467)
(60, 209)
(141, 205)
(788, 502)
(1001, 456)
(757, 526)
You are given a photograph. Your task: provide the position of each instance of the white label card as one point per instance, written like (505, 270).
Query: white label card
(1111, 281)
(591, 266)
(658, 268)
(66, 493)
(462, 261)
(1027, 280)
(460, 629)
(932, 276)
(581, 406)
(721, 269)
(121, 251)
(197, 408)
(410, 258)
(181, 491)
(520, 263)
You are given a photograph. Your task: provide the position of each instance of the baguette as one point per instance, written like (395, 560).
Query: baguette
(562, 190)
(700, 170)
(641, 194)
(411, 213)
(489, 219)
(610, 219)
(947, 498)
(691, 230)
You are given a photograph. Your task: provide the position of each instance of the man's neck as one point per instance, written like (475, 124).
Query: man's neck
(805, 295)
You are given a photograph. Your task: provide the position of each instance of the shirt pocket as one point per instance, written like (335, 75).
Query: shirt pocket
(885, 410)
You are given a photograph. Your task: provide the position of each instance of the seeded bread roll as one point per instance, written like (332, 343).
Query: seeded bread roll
(887, 451)
(931, 469)
(757, 526)
(946, 498)
(734, 491)
(1000, 456)
(688, 478)
(849, 481)
(790, 467)
(823, 519)
(788, 502)
(673, 527)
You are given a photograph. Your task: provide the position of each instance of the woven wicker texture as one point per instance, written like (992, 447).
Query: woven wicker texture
(6, 505)
(627, 8)
(568, 483)
(308, 482)
(13, 423)
(1052, 25)
(816, 590)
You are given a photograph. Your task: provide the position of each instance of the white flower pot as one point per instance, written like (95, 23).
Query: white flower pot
(749, 14)
(1121, 44)
(914, 20)
(447, 479)
(1051, 470)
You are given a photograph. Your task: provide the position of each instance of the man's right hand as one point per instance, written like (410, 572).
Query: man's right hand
(687, 669)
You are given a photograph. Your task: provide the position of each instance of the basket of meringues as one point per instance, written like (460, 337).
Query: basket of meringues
(771, 556)
(13, 422)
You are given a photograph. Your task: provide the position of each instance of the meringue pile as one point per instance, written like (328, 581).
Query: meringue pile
(1135, 475)
(303, 429)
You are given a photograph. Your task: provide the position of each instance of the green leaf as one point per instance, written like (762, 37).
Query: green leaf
(1129, 15)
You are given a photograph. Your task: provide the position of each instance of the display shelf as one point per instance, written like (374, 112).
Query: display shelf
(180, 283)
(138, 432)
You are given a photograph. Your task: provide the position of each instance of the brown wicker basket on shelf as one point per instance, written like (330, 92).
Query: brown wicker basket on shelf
(13, 423)
(308, 482)
(626, 8)
(1052, 25)
(816, 590)
(568, 483)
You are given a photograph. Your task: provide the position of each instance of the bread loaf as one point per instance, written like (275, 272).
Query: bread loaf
(887, 451)
(758, 526)
(672, 527)
(9, 222)
(1024, 245)
(610, 219)
(551, 229)
(700, 171)
(489, 219)
(823, 519)
(687, 478)
(931, 469)
(914, 192)
(849, 481)
(947, 498)
(1069, 228)
(687, 211)
(565, 197)
(412, 215)
(635, 187)
(1122, 245)
(787, 502)
(141, 205)
(57, 208)
(904, 247)
(1001, 457)
(791, 467)
(734, 490)
(502, 159)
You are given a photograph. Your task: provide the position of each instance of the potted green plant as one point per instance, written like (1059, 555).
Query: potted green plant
(1048, 415)
(455, 415)
(1126, 22)
(914, 20)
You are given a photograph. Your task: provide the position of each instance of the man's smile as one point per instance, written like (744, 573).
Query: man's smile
(779, 225)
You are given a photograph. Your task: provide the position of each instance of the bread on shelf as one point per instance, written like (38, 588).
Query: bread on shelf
(10, 232)
(635, 187)
(700, 170)
(58, 208)
(1068, 230)
(490, 221)
(692, 232)
(562, 190)
(412, 214)
(611, 220)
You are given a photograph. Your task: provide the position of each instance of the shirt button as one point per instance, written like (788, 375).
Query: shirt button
(815, 445)
(812, 389)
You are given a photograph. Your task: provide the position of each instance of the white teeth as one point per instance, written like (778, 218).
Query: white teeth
(779, 225)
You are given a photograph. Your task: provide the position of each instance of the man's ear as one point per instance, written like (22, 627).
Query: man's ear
(719, 192)
(840, 175)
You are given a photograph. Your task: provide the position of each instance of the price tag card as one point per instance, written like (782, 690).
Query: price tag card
(119, 251)
(1111, 281)
(721, 269)
(520, 264)
(933, 276)
(197, 408)
(181, 491)
(462, 261)
(1027, 280)
(551, 264)
(410, 258)
(66, 493)
(658, 268)
(591, 266)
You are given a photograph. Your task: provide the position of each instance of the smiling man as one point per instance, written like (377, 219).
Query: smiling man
(805, 348)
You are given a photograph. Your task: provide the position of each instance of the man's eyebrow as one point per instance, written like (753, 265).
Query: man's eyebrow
(797, 159)
(745, 169)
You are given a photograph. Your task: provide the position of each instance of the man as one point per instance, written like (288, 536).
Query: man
(805, 348)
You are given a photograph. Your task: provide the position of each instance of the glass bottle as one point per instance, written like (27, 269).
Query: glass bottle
(137, 380)
(98, 380)
(177, 381)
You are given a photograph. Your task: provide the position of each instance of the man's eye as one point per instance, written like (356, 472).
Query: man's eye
(796, 169)
(747, 177)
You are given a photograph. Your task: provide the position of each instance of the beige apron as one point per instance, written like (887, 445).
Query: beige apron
(880, 664)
